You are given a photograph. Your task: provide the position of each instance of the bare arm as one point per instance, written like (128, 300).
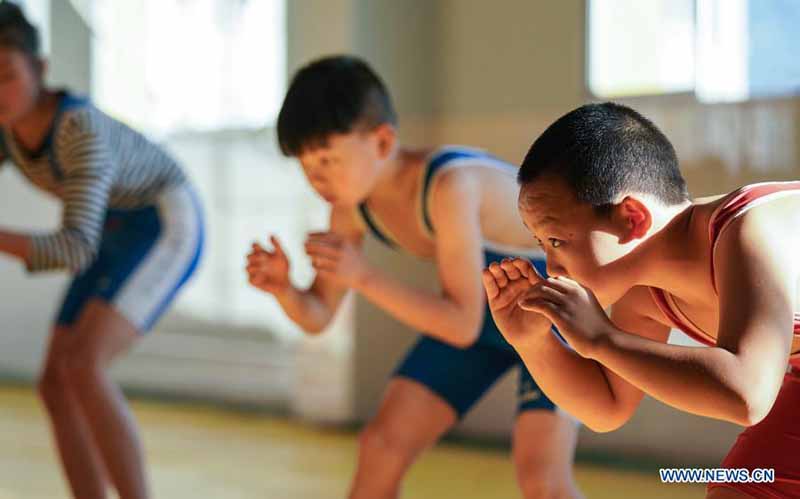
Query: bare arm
(86, 186)
(738, 379)
(313, 308)
(598, 397)
(16, 245)
(13, 243)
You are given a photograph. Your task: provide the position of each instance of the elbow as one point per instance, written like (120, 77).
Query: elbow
(606, 421)
(601, 427)
(751, 418)
(316, 323)
(462, 341)
(753, 403)
(752, 409)
(314, 329)
(606, 424)
(465, 335)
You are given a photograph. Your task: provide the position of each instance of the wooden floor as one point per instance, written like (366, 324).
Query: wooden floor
(202, 452)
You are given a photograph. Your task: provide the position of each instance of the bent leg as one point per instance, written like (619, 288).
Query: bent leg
(102, 336)
(544, 448)
(411, 418)
(79, 456)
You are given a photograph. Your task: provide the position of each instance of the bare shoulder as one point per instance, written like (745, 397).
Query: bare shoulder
(778, 217)
(769, 230)
(453, 191)
(453, 183)
(759, 248)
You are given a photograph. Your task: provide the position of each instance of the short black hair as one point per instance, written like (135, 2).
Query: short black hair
(332, 95)
(601, 150)
(16, 31)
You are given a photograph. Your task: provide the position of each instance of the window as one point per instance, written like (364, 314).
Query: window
(637, 47)
(720, 50)
(168, 66)
(207, 78)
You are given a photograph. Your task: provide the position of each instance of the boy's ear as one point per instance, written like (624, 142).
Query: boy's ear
(386, 136)
(633, 219)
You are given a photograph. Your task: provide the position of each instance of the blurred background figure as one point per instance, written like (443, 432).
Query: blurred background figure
(131, 232)
(205, 79)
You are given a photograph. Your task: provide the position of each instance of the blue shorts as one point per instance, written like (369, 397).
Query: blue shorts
(144, 258)
(461, 376)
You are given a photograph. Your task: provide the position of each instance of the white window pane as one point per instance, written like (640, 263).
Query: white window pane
(249, 191)
(774, 38)
(199, 73)
(190, 65)
(640, 47)
(722, 39)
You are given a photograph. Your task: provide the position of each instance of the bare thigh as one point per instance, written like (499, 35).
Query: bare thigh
(412, 415)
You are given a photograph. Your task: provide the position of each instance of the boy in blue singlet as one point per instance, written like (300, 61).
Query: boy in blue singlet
(454, 205)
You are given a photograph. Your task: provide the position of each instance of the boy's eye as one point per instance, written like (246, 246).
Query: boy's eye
(539, 242)
(555, 242)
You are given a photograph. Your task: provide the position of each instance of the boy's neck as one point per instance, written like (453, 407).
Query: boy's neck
(30, 129)
(393, 182)
(673, 254)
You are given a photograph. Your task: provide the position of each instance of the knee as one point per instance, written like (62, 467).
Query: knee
(54, 380)
(82, 366)
(385, 439)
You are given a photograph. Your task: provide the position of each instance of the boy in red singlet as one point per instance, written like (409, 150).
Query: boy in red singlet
(602, 193)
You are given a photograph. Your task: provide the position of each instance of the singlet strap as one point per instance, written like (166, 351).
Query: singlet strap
(738, 203)
(669, 308)
(442, 158)
(373, 227)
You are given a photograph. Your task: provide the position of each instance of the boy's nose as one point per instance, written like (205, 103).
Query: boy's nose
(554, 269)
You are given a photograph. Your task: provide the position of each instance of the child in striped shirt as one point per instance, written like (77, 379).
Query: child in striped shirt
(131, 232)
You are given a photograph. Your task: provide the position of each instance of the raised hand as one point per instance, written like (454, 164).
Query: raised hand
(268, 270)
(506, 283)
(337, 258)
(573, 309)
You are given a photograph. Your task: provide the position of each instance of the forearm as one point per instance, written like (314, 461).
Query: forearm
(704, 381)
(15, 244)
(579, 386)
(305, 308)
(423, 310)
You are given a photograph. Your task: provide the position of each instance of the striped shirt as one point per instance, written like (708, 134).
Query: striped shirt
(91, 162)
